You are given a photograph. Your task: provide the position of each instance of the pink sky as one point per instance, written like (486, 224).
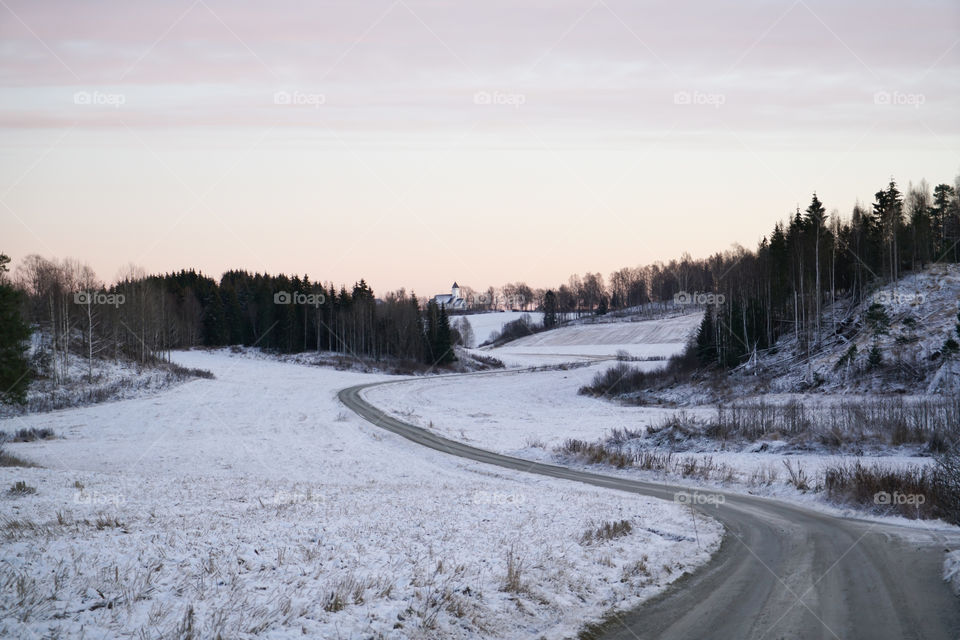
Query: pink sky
(417, 143)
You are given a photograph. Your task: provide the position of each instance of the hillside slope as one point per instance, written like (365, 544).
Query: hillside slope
(904, 326)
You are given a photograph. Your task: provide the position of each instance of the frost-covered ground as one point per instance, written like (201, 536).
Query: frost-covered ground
(651, 339)
(255, 503)
(531, 414)
(951, 570)
(508, 411)
(484, 325)
(106, 380)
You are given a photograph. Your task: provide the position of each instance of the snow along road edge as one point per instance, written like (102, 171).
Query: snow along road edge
(781, 570)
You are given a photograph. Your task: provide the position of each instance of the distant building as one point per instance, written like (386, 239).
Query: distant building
(452, 301)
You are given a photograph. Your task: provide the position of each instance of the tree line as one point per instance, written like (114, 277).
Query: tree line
(144, 317)
(804, 264)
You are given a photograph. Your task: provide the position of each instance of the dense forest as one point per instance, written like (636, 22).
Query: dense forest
(143, 317)
(805, 263)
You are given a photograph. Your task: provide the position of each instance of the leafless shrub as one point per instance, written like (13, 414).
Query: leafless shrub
(933, 423)
(353, 590)
(654, 461)
(513, 580)
(947, 476)
(27, 435)
(763, 477)
(595, 453)
(21, 488)
(607, 531)
(107, 522)
(636, 569)
(488, 361)
(913, 491)
(624, 380)
(619, 436)
(185, 373)
(798, 477)
(7, 459)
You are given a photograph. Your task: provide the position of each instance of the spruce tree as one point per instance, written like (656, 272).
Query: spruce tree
(549, 309)
(14, 334)
(706, 340)
(443, 349)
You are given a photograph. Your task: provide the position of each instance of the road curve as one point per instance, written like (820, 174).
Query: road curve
(782, 571)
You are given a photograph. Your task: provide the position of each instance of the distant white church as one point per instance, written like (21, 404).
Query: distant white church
(452, 300)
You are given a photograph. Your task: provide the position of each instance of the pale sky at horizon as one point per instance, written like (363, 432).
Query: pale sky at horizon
(417, 143)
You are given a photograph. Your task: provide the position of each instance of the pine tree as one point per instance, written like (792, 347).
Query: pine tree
(14, 334)
(549, 309)
(437, 339)
(816, 220)
(706, 344)
(444, 344)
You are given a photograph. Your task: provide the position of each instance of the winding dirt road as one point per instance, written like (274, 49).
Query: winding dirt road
(782, 571)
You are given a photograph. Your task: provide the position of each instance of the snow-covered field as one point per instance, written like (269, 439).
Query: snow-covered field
(255, 503)
(652, 339)
(508, 411)
(530, 414)
(105, 380)
(486, 324)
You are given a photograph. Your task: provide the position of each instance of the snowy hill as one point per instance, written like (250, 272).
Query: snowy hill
(905, 326)
(484, 325)
(647, 340)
